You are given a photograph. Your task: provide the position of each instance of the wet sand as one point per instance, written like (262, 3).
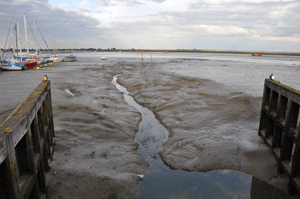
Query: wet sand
(210, 127)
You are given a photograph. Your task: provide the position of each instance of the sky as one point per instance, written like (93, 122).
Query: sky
(241, 25)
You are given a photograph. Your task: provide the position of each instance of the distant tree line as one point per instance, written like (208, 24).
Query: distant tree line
(160, 50)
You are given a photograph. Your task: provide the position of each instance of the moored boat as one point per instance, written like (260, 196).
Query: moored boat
(256, 54)
(70, 58)
(12, 66)
(30, 64)
(55, 58)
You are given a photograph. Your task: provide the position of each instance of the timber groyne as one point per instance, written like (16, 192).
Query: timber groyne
(26, 146)
(280, 128)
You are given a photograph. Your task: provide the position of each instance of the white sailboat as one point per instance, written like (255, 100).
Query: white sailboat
(12, 67)
(36, 57)
(30, 63)
(55, 57)
(13, 64)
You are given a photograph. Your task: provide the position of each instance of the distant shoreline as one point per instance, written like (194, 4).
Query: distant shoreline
(185, 50)
(217, 51)
(168, 51)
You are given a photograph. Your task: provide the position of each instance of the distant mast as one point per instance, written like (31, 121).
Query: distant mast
(24, 16)
(13, 39)
(36, 52)
(19, 40)
(55, 51)
(16, 38)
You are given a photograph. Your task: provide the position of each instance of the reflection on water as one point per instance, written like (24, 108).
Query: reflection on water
(162, 182)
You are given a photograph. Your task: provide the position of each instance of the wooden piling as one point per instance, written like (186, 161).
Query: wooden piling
(279, 127)
(26, 146)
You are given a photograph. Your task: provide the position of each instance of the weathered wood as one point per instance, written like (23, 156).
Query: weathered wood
(279, 127)
(26, 138)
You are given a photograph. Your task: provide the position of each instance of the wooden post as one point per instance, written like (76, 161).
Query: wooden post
(12, 164)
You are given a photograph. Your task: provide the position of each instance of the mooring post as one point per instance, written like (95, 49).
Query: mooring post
(42, 124)
(287, 143)
(46, 134)
(31, 161)
(11, 166)
(36, 134)
(51, 125)
(295, 166)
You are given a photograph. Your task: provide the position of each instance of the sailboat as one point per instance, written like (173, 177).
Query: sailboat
(29, 63)
(9, 65)
(37, 56)
(55, 57)
(70, 58)
(13, 64)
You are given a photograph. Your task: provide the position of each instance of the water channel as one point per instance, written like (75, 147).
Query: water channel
(162, 182)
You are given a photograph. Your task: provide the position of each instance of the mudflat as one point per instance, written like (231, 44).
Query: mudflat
(210, 126)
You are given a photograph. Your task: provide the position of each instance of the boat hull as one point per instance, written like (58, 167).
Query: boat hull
(69, 59)
(30, 64)
(11, 68)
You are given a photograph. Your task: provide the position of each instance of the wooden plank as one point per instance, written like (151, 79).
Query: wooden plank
(3, 151)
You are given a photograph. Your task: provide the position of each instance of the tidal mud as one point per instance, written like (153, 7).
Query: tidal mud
(211, 126)
(94, 154)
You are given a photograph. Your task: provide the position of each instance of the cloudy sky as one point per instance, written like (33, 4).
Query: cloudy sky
(260, 25)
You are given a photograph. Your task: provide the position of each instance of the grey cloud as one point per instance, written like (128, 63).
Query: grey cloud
(159, 1)
(239, 21)
(254, 16)
(126, 2)
(250, 23)
(84, 10)
(116, 2)
(52, 21)
(103, 2)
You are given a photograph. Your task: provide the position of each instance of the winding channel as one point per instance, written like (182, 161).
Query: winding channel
(162, 182)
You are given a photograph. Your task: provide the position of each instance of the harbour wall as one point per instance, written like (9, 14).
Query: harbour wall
(279, 127)
(26, 146)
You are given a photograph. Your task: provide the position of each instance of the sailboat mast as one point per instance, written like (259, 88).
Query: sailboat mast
(19, 40)
(36, 52)
(24, 16)
(13, 39)
(16, 32)
(54, 46)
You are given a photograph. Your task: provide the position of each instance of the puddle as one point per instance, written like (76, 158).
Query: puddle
(69, 92)
(162, 182)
